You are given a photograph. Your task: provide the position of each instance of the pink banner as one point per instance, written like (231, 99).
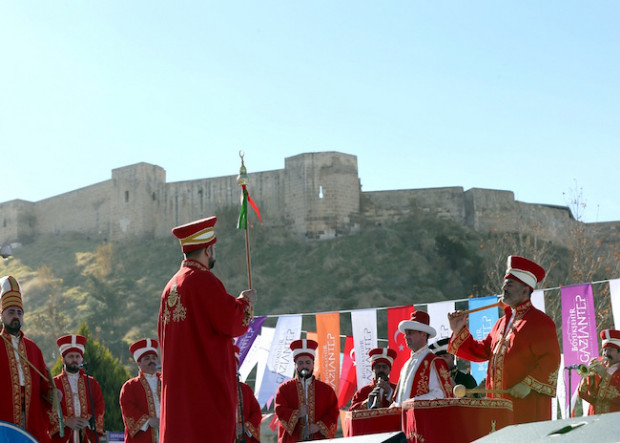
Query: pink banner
(579, 337)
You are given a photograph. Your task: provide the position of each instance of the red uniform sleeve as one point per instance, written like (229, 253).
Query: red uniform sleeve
(328, 420)
(287, 406)
(132, 406)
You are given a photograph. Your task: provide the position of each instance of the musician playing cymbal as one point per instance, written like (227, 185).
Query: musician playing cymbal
(601, 388)
(522, 348)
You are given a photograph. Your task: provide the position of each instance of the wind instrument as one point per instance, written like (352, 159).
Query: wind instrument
(590, 369)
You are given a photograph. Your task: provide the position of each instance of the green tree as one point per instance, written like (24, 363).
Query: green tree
(108, 371)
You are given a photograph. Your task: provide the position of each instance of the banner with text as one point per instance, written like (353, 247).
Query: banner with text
(579, 337)
(480, 324)
(263, 344)
(280, 366)
(438, 313)
(614, 293)
(246, 340)
(364, 326)
(328, 332)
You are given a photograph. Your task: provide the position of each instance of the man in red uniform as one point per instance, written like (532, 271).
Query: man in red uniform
(249, 414)
(522, 348)
(424, 375)
(307, 408)
(80, 392)
(379, 393)
(197, 321)
(602, 389)
(140, 395)
(24, 380)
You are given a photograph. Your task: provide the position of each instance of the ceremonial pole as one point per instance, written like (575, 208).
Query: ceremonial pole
(242, 180)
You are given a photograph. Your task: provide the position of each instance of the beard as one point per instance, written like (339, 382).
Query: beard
(14, 327)
(211, 263)
(72, 368)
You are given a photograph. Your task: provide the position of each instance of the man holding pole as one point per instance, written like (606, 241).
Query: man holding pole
(307, 408)
(197, 321)
(25, 383)
(522, 348)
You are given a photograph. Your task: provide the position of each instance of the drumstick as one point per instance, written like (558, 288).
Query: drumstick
(460, 391)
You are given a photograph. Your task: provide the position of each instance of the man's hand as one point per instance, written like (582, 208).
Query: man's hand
(520, 390)
(76, 423)
(383, 384)
(458, 321)
(303, 411)
(250, 296)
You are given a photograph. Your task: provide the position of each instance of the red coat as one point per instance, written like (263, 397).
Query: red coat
(422, 378)
(137, 406)
(37, 389)
(359, 400)
(252, 415)
(198, 320)
(62, 383)
(529, 352)
(322, 410)
(603, 393)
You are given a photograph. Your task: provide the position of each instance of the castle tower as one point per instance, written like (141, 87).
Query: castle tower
(138, 200)
(322, 193)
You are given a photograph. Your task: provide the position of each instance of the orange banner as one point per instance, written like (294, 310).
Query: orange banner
(328, 334)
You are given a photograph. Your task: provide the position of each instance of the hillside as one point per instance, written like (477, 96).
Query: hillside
(116, 287)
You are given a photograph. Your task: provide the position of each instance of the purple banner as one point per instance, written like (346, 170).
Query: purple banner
(579, 337)
(245, 341)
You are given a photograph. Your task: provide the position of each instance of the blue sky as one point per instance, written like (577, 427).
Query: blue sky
(520, 96)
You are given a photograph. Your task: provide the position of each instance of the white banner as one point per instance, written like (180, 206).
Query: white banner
(438, 313)
(266, 338)
(280, 366)
(614, 292)
(538, 299)
(251, 358)
(364, 326)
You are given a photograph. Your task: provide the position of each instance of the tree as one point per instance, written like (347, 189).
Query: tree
(108, 371)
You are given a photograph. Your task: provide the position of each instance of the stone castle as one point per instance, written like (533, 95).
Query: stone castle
(317, 195)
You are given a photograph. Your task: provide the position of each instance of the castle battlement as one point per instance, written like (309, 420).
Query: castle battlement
(317, 195)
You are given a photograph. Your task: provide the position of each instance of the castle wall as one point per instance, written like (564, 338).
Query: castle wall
(17, 221)
(85, 210)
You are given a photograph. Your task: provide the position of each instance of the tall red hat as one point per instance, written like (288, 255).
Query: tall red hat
(304, 347)
(10, 293)
(524, 271)
(420, 321)
(197, 234)
(610, 338)
(382, 355)
(71, 343)
(144, 347)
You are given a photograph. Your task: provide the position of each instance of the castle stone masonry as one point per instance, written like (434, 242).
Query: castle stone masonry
(318, 195)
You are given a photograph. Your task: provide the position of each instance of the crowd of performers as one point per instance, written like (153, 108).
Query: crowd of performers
(198, 390)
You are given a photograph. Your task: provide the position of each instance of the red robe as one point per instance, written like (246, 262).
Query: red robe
(37, 389)
(529, 352)
(137, 406)
(198, 320)
(360, 398)
(604, 394)
(322, 410)
(252, 415)
(420, 385)
(68, 411)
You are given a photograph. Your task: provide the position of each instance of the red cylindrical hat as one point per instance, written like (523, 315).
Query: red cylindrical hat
(144, 347)
(10, 293)
(420, 321)
(304, 347)
(71, 343)
(382, 355)
(524, 270)
(197, 234)
(610, 338)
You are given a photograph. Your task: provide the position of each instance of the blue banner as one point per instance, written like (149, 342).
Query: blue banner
(480, 324)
